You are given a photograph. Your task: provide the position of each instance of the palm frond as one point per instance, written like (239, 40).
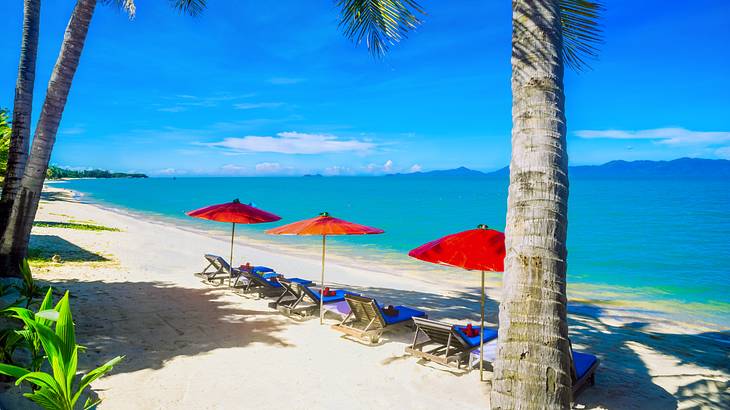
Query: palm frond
(127, 5)
(190, 7)
(582, 33)
(380, 23)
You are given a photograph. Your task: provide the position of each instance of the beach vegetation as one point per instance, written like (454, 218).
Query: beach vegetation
(55, 172)
(29, 289)
(55, 384)
(75, 225)
(547, 35)
(5, 131)
(18, 211)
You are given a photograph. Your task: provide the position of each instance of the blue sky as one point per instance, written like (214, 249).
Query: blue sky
(273, 88)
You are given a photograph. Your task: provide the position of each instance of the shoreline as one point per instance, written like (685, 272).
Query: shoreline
(135, 295)
(612, 299)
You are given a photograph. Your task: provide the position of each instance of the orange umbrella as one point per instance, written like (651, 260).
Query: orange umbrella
(324, 225)
(234, 212)
(479, 249)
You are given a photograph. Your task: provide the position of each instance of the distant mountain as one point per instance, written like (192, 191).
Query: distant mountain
(678, 168)
(456, 172)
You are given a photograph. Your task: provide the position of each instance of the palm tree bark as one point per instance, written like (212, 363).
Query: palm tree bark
(22, 109)
(532, 370)
(14, 243)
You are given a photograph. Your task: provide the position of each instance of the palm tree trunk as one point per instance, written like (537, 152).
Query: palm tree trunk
(532, 370)
(14, 243)
(22, 108)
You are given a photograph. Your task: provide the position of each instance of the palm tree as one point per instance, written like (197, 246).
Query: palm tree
(532, 370)
(20, 136)
(14, 241)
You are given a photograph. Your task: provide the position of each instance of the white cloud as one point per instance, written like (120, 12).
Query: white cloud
(388, 166)
(415, 168)
(723, 152)
(337, 170)
(251, 106)
(176, 108)
(294, 143)
(285, 80)
(170, 172)
(668, 136)
(268, 167)
(78, 130)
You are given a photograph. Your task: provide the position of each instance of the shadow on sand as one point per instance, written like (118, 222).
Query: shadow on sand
(152, 322)
(188, 322)
(45, 246)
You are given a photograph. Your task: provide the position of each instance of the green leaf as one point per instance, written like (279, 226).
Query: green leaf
(65, 328)
(95, 374)
(40, 379)
(13, 371)
(44, 399)
(89, 404)
(582, 33)
(380, 23)
(48, 316)
(46, 305)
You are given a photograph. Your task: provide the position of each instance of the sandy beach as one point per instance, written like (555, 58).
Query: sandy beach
(191, 345)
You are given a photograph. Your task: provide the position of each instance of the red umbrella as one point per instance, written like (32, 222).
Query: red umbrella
(476, 249)
(324, 225)
(236, 213)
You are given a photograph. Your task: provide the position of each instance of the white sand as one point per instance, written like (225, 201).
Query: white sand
(190, 345)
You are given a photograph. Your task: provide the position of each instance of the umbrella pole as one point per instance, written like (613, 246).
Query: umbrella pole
(481, 338)
(321, 291)
(233, 233)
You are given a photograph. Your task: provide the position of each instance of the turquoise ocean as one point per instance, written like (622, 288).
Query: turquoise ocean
(657, 244)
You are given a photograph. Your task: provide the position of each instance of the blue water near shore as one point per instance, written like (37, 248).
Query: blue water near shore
(658, 241)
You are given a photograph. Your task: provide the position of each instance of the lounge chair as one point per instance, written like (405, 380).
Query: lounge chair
(447, 343)
(583, 371)
(265, 285)
(367, 319)
(582, 367)
(222, 270)
(301, 301)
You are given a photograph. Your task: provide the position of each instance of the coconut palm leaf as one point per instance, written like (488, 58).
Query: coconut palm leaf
(190, 7)
(582, 33)
(380, 23)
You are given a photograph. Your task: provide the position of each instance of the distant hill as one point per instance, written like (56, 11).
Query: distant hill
(58, 173)
(456, 172)
(678, 168)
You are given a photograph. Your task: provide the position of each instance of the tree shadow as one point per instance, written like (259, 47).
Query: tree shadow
(52, 196)
(153, 322)
(625, 380)
(46, 246)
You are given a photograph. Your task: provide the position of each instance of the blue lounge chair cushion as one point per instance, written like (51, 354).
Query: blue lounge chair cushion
(337, 297)
(300, 281)
(583, 362)
(276, 284)
(487, 335)
(261, 270)
(404, 313)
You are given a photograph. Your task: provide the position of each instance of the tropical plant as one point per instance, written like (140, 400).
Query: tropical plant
(60, 389)
(532, 369)
(29, 290)
(17, 149)
(5, 132)
(19, 222)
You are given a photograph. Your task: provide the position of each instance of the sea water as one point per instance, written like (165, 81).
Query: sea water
(664, 243)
